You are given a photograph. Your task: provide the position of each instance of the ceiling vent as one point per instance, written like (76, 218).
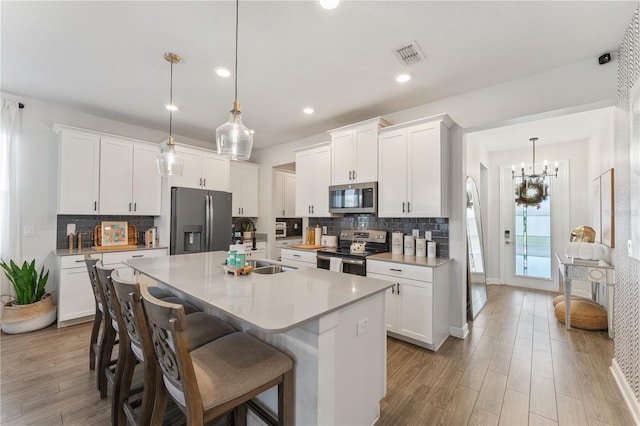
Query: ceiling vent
(409, 54)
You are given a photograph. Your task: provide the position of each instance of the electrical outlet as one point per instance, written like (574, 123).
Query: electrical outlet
(363, 326)
(629, 247)
(28, 231)
(324, 230)
(427, 235)
(416, 233)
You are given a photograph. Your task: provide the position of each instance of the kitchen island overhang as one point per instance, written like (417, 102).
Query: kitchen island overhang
(331, 324)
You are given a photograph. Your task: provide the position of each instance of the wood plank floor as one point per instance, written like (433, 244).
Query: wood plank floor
(518, 366)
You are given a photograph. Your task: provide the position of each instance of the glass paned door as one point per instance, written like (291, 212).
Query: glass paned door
(533, 237)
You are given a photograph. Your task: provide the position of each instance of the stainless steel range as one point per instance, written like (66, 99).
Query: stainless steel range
(354, 247)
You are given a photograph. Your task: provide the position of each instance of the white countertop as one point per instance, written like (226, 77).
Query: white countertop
(410, 260)
(89, 250)
(272, 303)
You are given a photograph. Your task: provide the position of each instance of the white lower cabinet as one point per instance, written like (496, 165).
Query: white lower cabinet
(259, 253)
(283, 244)
(298, 258)
(115, 260)
(76, 302)
(417, 304)
(75, 295)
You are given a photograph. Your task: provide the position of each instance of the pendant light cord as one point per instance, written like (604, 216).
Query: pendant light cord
(236, 71)
(170, 101)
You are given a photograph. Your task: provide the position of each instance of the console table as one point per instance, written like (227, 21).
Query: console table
(596, 272)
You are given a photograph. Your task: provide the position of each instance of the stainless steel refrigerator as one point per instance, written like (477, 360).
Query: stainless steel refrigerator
(200, 220)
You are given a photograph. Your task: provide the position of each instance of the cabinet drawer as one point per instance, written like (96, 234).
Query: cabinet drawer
(298, 255)
(76, 261)
(120, 256)
(414, 272)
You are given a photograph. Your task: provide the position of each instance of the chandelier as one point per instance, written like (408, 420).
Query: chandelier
(532, 189)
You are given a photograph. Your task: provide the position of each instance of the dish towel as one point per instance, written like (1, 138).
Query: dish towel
(335, 264)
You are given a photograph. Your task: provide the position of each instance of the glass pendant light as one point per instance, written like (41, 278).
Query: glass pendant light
(233, 138)
(168, 162)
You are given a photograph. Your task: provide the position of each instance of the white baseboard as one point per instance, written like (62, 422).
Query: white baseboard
(627, 393)
(459, 332)
(494, 281)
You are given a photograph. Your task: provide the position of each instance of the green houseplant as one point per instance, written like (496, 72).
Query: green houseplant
(32, 308)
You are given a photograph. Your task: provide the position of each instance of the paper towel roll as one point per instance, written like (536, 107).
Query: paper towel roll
(431, 249)
(409, 245)
(318, 235)
(396, 243)
(421, 247)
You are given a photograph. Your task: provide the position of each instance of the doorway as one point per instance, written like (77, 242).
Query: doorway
(532, 234)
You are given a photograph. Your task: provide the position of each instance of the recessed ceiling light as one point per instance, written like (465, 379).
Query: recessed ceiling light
(308, 111)
(329, 4)
(171, 107)
(223, 72)
(403, 78)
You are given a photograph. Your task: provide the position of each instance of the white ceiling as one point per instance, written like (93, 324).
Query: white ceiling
(105, 57)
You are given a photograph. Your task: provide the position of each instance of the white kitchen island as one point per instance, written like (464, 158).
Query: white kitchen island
(331, 324)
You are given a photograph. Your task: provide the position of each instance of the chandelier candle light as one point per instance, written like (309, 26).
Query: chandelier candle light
(168, 162)
(532, 189)
(234, 139)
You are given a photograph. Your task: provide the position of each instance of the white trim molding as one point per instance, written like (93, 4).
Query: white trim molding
(459, 332)
(626, 391)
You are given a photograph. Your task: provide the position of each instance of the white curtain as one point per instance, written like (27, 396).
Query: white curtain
(9, 186)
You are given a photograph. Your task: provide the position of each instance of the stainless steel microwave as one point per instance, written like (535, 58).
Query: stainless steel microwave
(354, 198)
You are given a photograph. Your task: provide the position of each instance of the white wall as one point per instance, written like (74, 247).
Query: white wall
(38, 171)
(576, 84)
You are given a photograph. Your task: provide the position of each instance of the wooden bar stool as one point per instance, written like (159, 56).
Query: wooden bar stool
(203, 328)
(94, 347)
(112, 372)
(215, 378)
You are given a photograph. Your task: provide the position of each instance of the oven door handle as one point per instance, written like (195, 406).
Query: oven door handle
(349, 261)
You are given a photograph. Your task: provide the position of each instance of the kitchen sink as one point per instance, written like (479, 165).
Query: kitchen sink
(272, 269)
(259, 263)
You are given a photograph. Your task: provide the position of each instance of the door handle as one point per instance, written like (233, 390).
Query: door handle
(403, 207)
(398, 284)
(408, 207)
(95, 206)
(135, 207)
(129, 206)
(204, 181)
(393, 289)
(354, 175)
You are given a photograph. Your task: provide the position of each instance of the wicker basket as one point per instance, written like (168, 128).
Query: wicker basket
(24, 318)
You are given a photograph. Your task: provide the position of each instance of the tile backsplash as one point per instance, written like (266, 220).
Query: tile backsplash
(438, 226)
(86, 224)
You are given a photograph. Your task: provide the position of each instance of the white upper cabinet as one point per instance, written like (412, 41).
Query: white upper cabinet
(244, 187)
(313, 177)
(284, 194)
(202, 170)
(129, 180)
(413, 166)
(79, 171)
(354, 155)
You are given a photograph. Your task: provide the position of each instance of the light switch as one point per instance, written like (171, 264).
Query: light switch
(363, 326)
(427, 235)
(416, 233)
(28, 231)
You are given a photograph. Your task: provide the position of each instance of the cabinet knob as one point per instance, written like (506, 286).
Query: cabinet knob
(350, 175)
(135, 207)
(403, 207)
(129, 206)
(354, 175)
(408, 207)
(398, 288)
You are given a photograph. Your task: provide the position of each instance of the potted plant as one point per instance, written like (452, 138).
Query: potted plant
(248, 229)
(32, 308)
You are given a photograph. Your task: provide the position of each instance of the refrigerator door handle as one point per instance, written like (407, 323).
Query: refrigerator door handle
(207, 221)
(210, 224)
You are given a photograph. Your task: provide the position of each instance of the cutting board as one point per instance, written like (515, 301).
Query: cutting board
(308, 246)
